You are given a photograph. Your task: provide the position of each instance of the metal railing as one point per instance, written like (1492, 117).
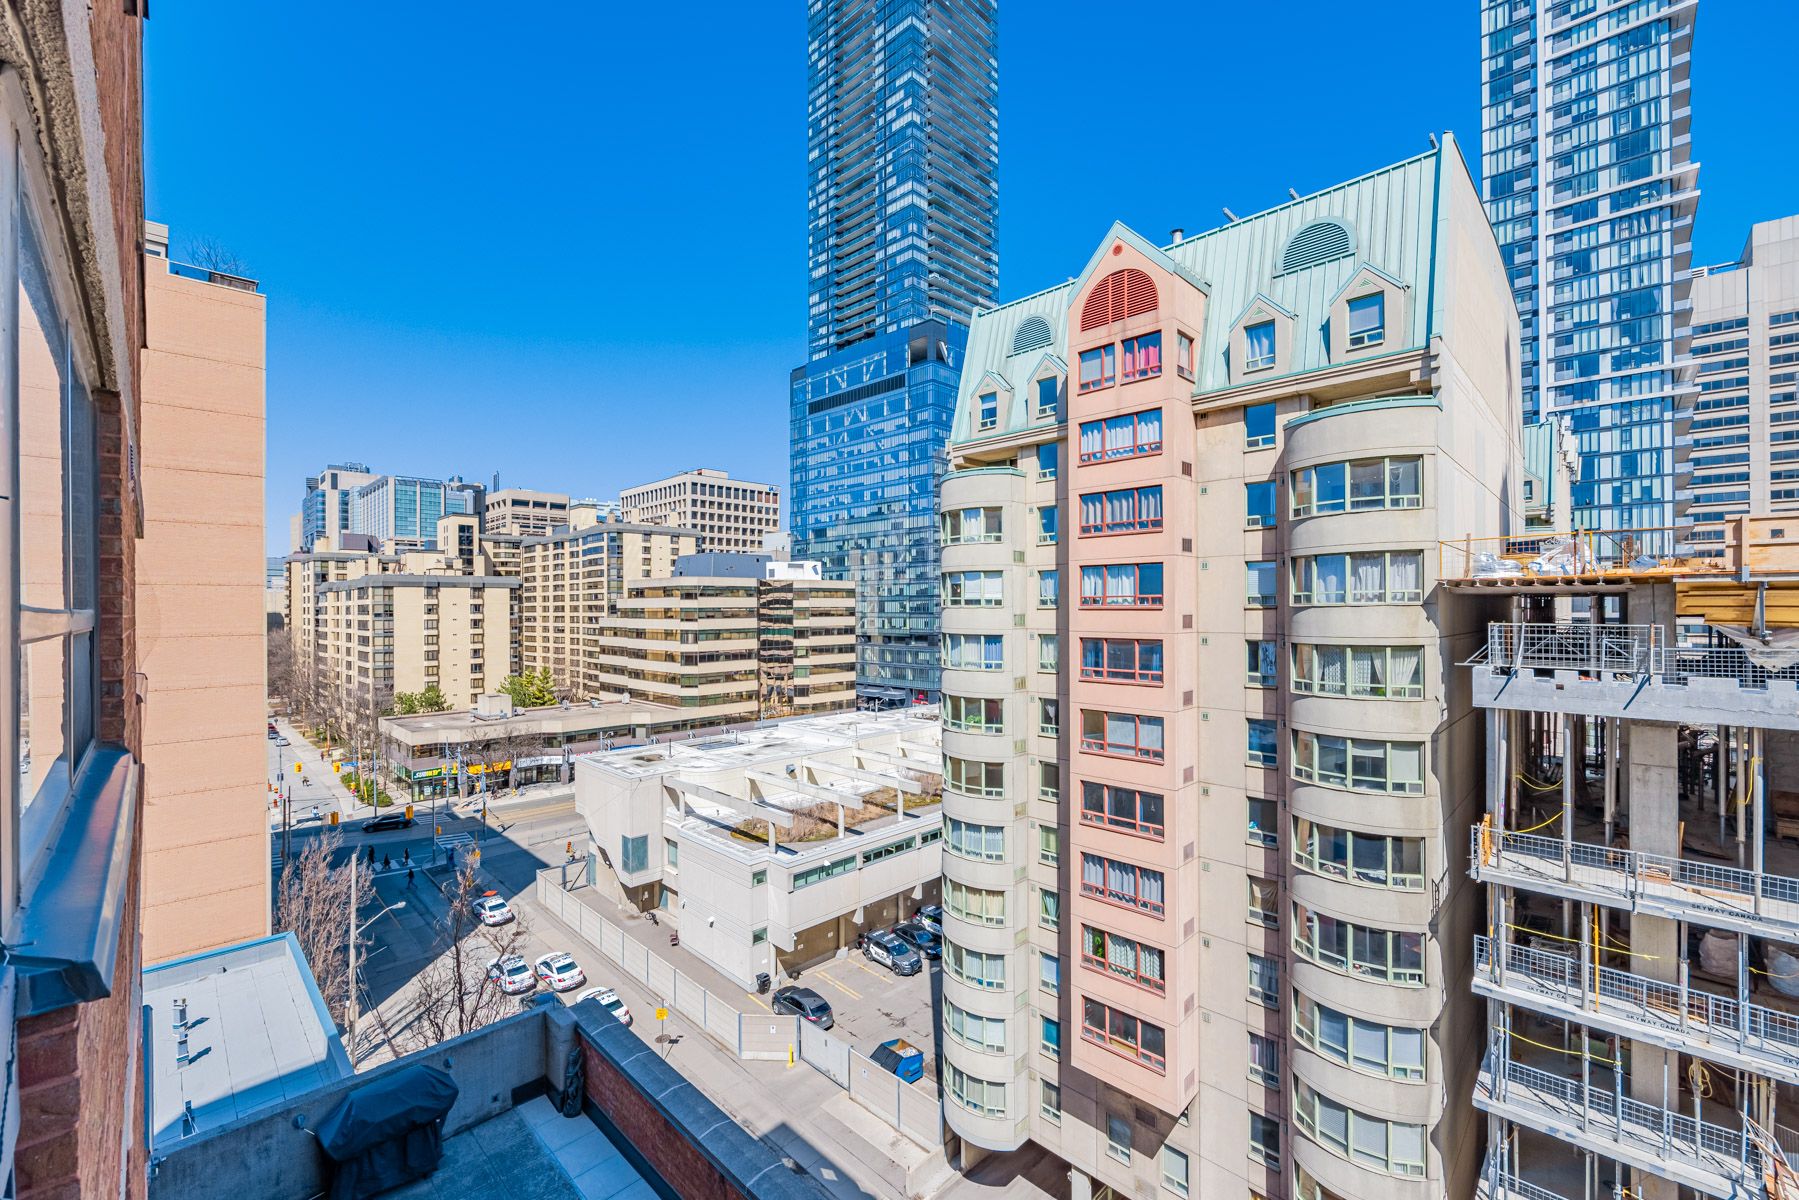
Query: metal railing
(1575, 646)
(1577, 552)
(1503, 1185)
(1604, 1111)
(1663, 1007)
(1635, 875)
(1609, 650)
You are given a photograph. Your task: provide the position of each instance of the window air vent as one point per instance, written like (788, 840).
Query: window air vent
(1034, 334)
(1126, 293)
(1319, 242)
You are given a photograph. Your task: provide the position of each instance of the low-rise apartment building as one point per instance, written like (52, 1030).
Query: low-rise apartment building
(386, 633)
(571, 579)
(523, 513)
(1205, 746)
(771, 849)
(1738, 439)
(767, 641)
(727, 514)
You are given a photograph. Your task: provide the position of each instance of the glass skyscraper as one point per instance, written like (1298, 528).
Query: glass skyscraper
(902, 202)
(1590, 184)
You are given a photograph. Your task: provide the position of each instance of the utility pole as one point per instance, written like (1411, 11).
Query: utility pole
(355, 869)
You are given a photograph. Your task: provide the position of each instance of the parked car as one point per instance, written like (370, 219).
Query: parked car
(387, 821)
(560, 971)
(921, 937)
(932, 915)
(803, 1002)
(901, 1057)
(281, 741)
(272, 734)
(609, 1001)
(513, 974)
(892, 953)
(492, 910)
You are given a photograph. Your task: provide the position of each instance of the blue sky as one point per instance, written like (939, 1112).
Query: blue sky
(572, 251)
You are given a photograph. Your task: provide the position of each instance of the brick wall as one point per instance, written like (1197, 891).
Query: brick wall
(667, 1148)
(80, 1089)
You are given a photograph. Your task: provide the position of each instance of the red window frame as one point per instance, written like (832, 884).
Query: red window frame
(1136, 522)
(1141, 357)
(1135, 826)
(1105, 966)
(1130, 1049)
(1133, 900)
(1137, 448)
(1108, 368)
(1136, 751)
(1138, 599)
(1136, 675)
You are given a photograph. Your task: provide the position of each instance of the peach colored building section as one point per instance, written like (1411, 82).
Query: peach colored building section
(201, 624)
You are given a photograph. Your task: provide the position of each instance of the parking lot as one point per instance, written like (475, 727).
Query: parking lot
(871, 1004)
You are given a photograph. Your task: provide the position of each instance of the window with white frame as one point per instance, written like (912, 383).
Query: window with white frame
(1258, 344)
(1392, 1051)
(1367, 321)
(1382, 1145)
(1355, 948)
(1369, 577)
(1358, 485)
(976, 1095)
(1369, 858)
(1049, 588)
(973, 589)
(1358, 763)
(1360, 672)
(975, 1031)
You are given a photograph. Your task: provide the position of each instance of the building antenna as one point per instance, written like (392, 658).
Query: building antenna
(1231, 216)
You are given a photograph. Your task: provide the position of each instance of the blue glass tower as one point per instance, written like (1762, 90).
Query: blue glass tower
(1591, 187)
(902, 202)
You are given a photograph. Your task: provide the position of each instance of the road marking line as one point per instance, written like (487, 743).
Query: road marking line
(848, 991)
(753, 996)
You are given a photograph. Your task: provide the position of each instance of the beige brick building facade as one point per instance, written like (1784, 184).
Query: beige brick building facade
(524, 513)
(201, 623)
(728, 514)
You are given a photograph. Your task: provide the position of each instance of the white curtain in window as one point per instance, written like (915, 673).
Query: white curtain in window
(1149, 504)
(1330, 669)
(1093, 583)
(1092, 439)
(1121, 953)
(1403, 669)
(1121, 582)
(1121, 509)
(1367, 572)
(1408, 1144)
(1093, 510)
(1329, 578)
(1120, 434)
(1149, 886)
(1121, 878)
(1405, 573)
(1408, 1050)
(1370, 1143)
(1149, 963)
(1405, 762)
(1149, 733)
(1121, 730)
(1093, 871)
(1367, 671)
(990, 586)
(1370, 1044)
(1149, 427)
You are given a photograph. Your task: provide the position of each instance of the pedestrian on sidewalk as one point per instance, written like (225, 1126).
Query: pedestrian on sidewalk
(386, 861)
(371, 858)
(409, 879)
(406, 857)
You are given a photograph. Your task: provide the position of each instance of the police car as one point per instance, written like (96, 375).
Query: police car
(513, 974)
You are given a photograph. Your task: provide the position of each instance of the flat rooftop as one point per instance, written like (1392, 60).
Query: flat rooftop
(258, 1036)
(464, 725)
(736, 750)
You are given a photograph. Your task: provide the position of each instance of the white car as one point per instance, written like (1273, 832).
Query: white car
(282, 742)
(513, 974)
(560, 971)
(492, 910)
(609, 1001)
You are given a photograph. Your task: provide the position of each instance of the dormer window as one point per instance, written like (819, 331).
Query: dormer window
(1367, 321)
(989, 410)
(1260, 342)
(1048, 393)
(1183, 356)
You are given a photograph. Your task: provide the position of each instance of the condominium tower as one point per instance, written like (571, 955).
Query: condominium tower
(1206, 766)
(1591, 187)
(902, 203)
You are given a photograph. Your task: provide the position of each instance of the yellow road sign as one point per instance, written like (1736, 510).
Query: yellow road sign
(662, 1014)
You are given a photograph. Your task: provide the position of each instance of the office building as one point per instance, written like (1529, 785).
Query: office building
(1591, 186)
(400, 511)
(728, 514)
(523, 513)
(201, 645)
(328, 508)
(902, 206)
(74, 508)
(1206, 756)
(572, 580)
(771, 849)
(1742, 433)
(1636, 953)
(735, 636)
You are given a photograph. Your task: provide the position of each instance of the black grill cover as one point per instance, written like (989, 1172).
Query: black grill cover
(388, 1133)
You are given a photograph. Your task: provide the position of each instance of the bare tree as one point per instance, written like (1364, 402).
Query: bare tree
(456, 994)
(208, 252)
(312, 900)
(284, 669)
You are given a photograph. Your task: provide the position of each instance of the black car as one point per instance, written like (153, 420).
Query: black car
(803, 1002)
(920, 937)
(387, 821)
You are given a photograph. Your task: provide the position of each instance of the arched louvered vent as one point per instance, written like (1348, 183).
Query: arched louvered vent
(1034, 334)
(1126, 293)
(1319, 242)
